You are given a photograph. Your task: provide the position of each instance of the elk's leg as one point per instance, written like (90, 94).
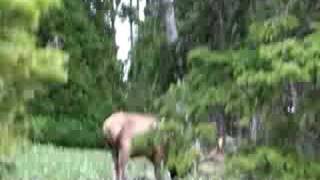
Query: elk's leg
(116, 171)
(158, 171)
(157, 160)
(112, 146)
(123, 158)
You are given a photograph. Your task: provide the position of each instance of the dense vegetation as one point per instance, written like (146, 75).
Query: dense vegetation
(94, 84)
(250, 66)
(25, 67)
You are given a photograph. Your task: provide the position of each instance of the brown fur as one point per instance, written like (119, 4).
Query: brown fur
(120, 129)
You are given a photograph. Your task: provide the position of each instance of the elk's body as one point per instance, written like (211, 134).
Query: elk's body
(120, 129)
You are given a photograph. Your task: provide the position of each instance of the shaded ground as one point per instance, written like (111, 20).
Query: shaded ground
(42, 162)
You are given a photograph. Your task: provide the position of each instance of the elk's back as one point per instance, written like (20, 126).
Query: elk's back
(128, 124)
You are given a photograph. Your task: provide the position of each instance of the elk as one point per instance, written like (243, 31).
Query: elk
(120, 129)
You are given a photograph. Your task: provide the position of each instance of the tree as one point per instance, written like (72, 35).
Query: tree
(25, 67)
(95, 75)
(274, 69)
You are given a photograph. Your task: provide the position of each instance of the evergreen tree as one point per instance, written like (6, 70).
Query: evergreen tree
(94, 75)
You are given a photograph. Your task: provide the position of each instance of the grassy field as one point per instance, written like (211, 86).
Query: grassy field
(46, 162)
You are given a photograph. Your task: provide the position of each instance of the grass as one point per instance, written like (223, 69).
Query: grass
(48, 162)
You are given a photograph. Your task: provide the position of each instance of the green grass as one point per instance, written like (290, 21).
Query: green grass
(46, 162)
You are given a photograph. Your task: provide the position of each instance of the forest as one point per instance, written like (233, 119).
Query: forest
(234, 86)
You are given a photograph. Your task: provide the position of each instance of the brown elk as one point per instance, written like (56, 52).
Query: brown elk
(119, 130)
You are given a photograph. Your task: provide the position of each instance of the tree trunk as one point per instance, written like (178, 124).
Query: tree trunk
(138, 8)
(217, 114)
(294, 98)
(131, 25)
(138, 11)
(169, 21)
(100, 15)
(114, 11)
(222, 38)
(239, 132)
(255, 127)
(221, 132)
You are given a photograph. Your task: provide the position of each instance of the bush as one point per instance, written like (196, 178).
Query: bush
(270, 163)
(177, 140)
(66, 132)
(206, 133)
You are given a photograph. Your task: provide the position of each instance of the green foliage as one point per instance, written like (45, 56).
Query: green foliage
(289, 60)
(217, 25)
(24, 67)
(71, 115)
(8, 141)
(256, 48)
(152, 68)
(94, 86)
(178, 143)
(182, 161)
(252, 77)
(206, 133)
(175, 103)
(250, 80)
(266, 163)
(66, 132)
(144, 143)
(24, 14)
(273, 29)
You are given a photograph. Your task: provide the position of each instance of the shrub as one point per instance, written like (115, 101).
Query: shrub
(177, 140)
(270, 163)
(206, 133)
(66, 132)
